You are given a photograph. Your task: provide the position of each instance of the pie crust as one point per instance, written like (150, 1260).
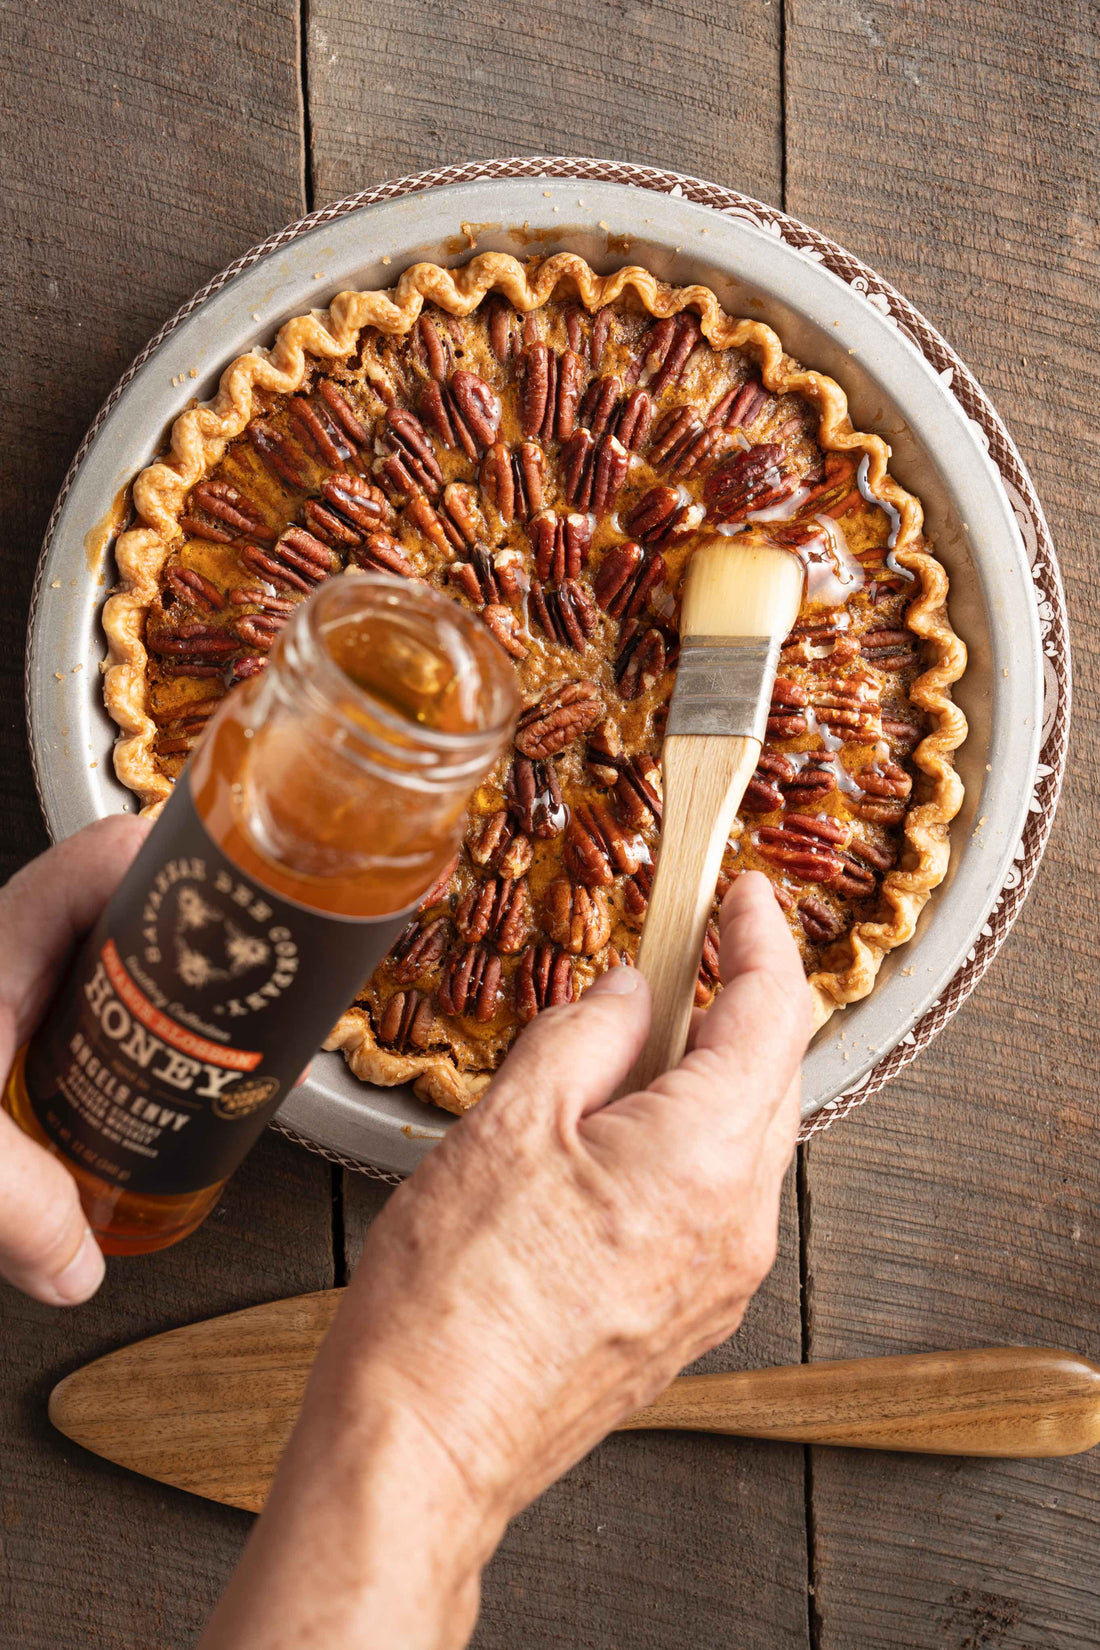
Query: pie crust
(926, 791)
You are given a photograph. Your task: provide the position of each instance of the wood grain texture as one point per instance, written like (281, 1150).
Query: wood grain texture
(145, 147)
(961, 1207)
(653, 1540)
(92, 1553)
(704, 779)
(399, 89)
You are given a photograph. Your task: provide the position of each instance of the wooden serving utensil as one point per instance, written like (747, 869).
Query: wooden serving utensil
(209, 1408)
(741, 597)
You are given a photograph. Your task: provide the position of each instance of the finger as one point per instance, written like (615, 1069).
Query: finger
(573, 1058)
(53, 901)
(751, 1039)
(46, 1248)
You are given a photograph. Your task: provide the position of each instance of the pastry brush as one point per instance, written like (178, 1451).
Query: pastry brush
(741, 597)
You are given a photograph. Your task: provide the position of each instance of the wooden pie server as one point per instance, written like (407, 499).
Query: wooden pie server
(209, 1408)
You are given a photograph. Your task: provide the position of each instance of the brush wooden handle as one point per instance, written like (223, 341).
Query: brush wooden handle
(704, 780)
(1001, 1400)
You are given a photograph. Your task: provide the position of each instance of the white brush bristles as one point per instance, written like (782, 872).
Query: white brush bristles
(741, 586)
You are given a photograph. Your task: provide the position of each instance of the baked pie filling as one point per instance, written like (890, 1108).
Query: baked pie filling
(545, 444)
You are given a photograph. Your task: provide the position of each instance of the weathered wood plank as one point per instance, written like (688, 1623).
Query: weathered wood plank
(147, 146)
(683, 85)
(656, 1538)
(960, 1208)
(653, 1540)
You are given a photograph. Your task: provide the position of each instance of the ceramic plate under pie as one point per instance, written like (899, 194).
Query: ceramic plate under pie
(571, 614)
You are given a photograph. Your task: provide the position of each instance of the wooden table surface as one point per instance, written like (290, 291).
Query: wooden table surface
(952, 145)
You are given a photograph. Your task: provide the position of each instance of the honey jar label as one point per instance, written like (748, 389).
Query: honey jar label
(189, 1013)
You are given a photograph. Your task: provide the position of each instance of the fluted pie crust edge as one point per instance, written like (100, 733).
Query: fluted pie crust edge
(200, 435)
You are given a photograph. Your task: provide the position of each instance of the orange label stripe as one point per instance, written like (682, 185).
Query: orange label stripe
(169, 1030)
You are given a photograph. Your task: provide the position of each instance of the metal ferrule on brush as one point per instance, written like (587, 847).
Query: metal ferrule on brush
(724, 685)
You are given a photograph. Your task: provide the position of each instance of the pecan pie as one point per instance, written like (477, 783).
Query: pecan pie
(544, 443)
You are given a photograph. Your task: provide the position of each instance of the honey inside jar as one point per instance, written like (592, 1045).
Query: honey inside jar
(400, 695)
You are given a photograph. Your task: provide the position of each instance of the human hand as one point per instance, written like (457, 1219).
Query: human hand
(558, 1258)
(546, 1271)
(46, 1248)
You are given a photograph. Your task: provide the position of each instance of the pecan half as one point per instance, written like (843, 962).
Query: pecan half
(890, 649)
(849, 707)
(667, 348)
(181, 733)
(431, 348)
(605, 749)
(804, 846)
(568, 614)
(605, 412)
(280, 453)
(257, 630)
(814, 780)
(559, 717)
(636, 891)
(560, 544)
(601, 329)
(351, 507)
(495, 909)
(190, 639)
(762, 793)
(298, 561)
(504, 626)
(406, 1020)
(683, 446)
(477, 578)
(785, 719)
(344, 413)
(820, 645)
(381, 551)
(597, 847)
(625, 578)
(318, 431)
(538, 384)
(544, 979)
(411, 466)
(534, 796)
(637, 792)
(642, 661)
(709, 975)
(512, 482)
(502, 319)
(193, 588)
(495, 842)
(577, 918)
(664, 515)
(820, 923)
(420, 949)
(747, 481)
(219, 513)
(471, 982)
(593, 472)
(903, 736)
(886, 791)
(740, 408)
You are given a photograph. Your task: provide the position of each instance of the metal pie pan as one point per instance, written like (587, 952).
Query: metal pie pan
(834, 314)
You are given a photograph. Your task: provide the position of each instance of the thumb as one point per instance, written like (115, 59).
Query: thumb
(574, 1058)
(46, 1247)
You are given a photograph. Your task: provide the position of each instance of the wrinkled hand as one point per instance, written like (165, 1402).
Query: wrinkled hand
(558, 1259)
(46, 1248)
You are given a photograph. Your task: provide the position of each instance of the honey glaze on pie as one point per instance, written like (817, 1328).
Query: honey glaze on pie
(548, 459)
